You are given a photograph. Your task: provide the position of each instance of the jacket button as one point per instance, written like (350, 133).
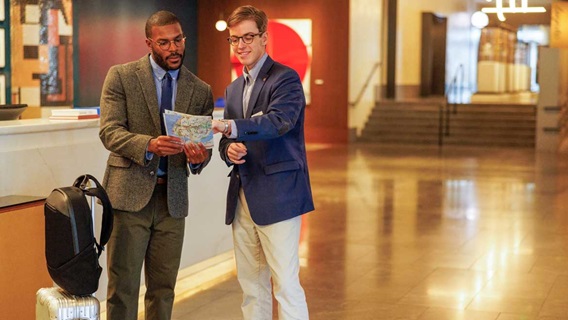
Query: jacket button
(152, 173)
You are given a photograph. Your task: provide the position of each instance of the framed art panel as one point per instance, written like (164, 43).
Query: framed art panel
(2, 89)
(2, 48)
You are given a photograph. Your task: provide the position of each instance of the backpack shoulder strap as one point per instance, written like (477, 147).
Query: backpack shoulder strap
(99, 192)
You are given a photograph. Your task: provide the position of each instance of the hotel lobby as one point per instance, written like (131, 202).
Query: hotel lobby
(409, 228)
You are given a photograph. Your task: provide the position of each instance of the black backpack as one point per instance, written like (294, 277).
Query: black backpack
(71, 250)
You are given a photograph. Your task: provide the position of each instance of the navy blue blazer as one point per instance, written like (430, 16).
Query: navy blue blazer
(275, 176)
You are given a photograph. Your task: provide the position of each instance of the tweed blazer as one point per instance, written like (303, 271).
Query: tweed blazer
(130, 118)
(275, 177)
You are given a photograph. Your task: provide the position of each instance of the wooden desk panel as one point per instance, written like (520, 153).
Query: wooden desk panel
(23, 268)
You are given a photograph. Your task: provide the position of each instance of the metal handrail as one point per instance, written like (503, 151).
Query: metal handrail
(459, 88)
(444, 121)
(365, 85)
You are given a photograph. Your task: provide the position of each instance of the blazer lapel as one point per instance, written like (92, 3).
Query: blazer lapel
(146, 78)
(185, 89)
(237, 100)
(258, 84)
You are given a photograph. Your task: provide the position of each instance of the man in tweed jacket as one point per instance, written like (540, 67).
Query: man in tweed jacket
(149, 200)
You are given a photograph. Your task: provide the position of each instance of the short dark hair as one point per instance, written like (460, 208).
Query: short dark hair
(160, 18)
(248, 13)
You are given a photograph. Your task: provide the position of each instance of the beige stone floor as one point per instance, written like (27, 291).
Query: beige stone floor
(426, 233)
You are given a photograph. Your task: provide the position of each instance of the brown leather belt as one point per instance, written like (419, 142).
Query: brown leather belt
(162, 180)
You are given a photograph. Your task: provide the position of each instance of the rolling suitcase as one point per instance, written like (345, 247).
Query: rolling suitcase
(56, 304)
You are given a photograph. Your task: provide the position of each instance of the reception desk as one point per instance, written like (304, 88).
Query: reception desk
(22, 262)
(39, 155)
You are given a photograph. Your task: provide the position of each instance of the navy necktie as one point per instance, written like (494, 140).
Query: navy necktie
(165, 104)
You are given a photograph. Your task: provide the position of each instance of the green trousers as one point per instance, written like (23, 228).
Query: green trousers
(150, 237)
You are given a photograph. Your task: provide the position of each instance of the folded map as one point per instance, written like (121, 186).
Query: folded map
(189, 128)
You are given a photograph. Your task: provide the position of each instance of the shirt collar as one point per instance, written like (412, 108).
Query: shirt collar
(253, 73)
(159, 72)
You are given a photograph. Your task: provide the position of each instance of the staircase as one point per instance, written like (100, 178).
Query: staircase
(418, 122)
(403, 122)
(510, 125)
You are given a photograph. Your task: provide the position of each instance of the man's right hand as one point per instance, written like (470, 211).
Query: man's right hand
(217, 126)
(221, 126)
(165, 146)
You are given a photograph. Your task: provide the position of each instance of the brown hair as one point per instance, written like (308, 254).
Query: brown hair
(160, 18)
(248, 13)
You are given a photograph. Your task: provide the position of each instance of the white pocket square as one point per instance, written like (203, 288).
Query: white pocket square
(257, 114)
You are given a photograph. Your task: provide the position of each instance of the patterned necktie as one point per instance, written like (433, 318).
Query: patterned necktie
(165, 104)
(246, 94)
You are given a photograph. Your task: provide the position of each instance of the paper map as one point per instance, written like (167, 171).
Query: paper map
(189, 128)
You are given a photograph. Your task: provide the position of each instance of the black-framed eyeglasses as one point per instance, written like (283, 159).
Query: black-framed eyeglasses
(166, 44)
(247, 38)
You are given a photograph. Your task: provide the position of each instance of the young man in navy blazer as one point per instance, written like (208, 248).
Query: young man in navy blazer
(269, 189)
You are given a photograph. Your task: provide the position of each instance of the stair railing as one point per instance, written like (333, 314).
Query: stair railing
(455, 89)
(365, 85)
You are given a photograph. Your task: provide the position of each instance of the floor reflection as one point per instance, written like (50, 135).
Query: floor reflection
(427, 233)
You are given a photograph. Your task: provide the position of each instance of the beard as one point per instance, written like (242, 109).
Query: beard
(162, 62)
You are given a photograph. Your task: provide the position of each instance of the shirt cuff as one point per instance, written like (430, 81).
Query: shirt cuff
(195, 166)
(149, 155)
(234, 132)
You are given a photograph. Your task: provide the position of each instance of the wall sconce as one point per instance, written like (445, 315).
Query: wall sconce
(500, 10)
(221, 25)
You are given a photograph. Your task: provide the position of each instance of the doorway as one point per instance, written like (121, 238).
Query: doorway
(433, 58)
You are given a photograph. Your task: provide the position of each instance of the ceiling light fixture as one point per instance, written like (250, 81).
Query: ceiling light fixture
(500, 10)
(479, 19)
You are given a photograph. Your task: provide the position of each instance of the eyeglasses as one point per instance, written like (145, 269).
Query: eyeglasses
(247, 38)
(166, 44)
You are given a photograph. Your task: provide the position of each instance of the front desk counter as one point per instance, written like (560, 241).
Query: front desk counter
(38, 155)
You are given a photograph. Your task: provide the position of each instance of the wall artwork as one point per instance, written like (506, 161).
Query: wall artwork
(2, 48)
(2, 89)
(2, 54)
(290, 43)
(42, 52)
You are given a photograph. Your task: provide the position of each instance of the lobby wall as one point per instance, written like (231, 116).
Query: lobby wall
(327, 115)
(409, 42)
(563, 101)
(365, 52)
(112, 32)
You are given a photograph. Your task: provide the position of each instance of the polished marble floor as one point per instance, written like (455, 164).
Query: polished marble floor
(426, 233)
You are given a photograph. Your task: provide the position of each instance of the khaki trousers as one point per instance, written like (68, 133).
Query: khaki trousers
(150, 237)
(265, 252)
